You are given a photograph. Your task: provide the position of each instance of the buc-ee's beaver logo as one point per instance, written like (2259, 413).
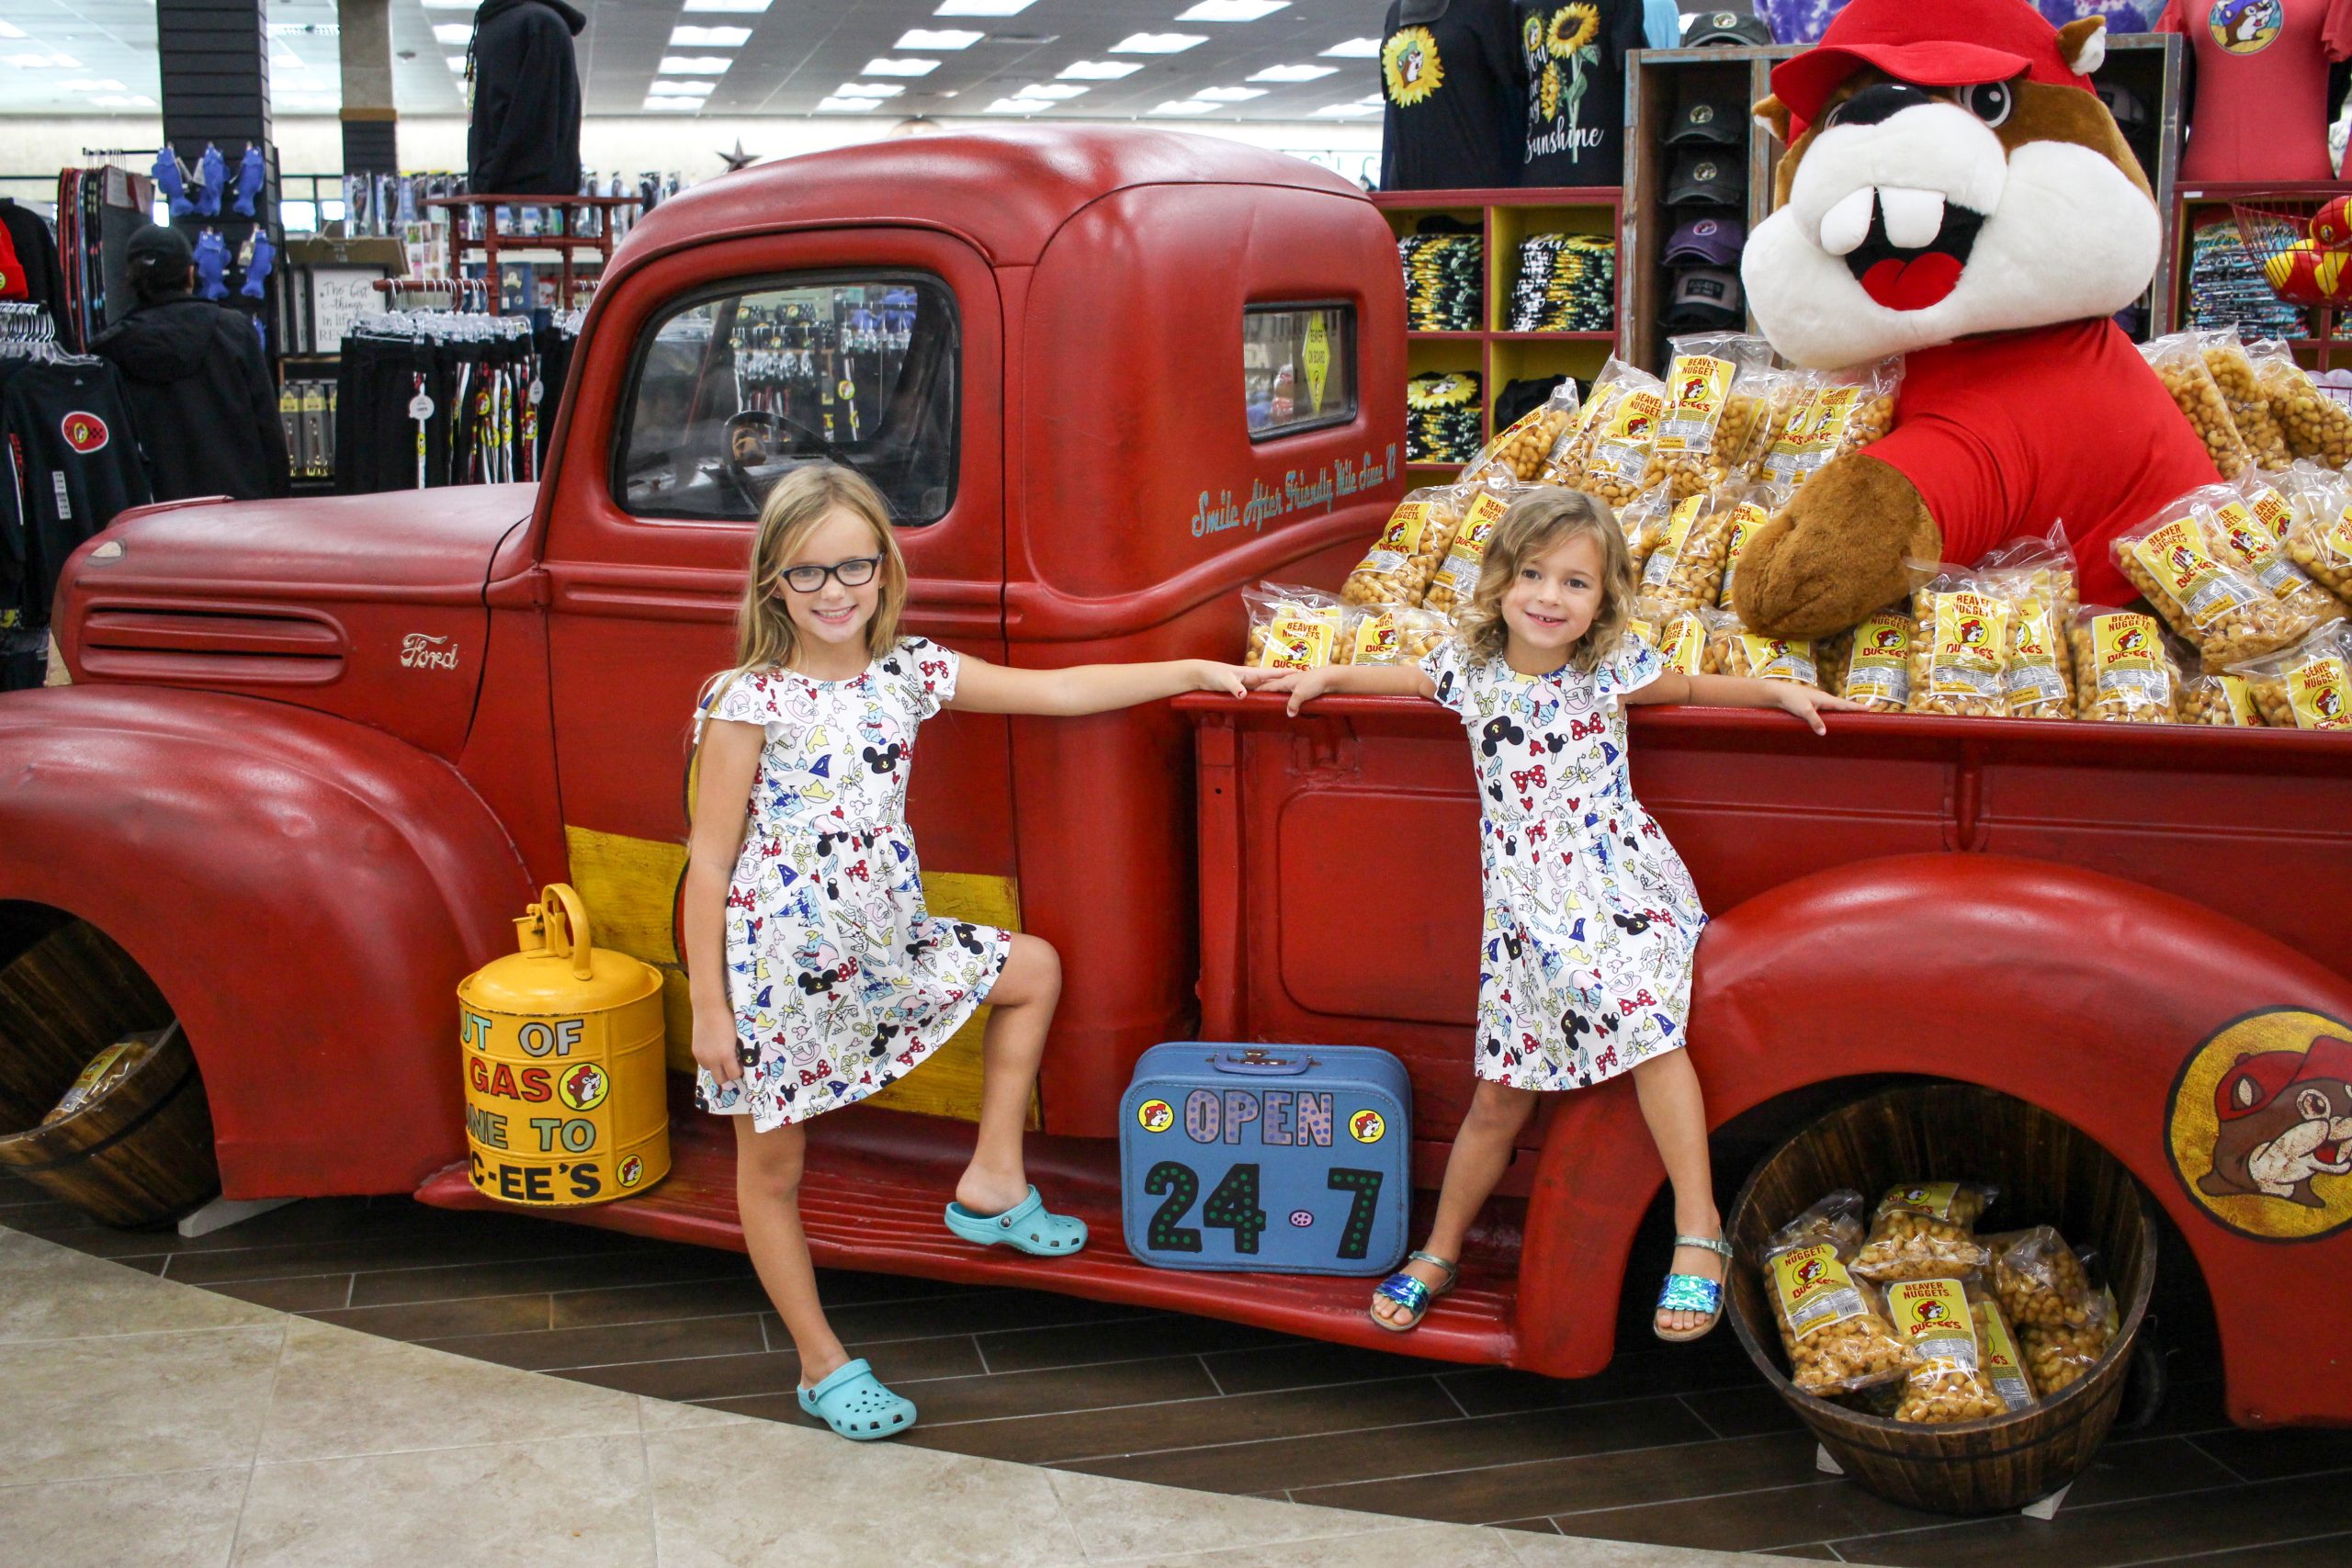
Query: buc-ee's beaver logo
(1155, 1116)
(86, 433)
(2260, 1125)
(583, 1088)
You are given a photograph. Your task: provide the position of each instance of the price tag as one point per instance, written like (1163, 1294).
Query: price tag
(420, 407)
(539, 391)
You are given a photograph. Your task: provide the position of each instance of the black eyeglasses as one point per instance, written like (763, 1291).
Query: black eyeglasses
(856, 572)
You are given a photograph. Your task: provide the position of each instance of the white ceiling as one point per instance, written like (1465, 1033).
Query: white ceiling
(798, 59)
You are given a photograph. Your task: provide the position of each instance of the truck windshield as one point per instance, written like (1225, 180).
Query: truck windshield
(737, 388)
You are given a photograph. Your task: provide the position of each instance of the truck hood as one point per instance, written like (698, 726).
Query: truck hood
(402, 546)
(370, 607)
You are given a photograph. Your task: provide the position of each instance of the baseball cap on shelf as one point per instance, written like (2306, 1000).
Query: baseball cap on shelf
(1703, 175)
(1704, 297)
(165, 245)
(1729, 25)
(2130, 111)
(1711, 112)
(1715, 242)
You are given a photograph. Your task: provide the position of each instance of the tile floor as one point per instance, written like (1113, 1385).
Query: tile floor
(1671, 1448)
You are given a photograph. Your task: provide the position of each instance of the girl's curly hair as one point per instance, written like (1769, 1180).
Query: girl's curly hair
(1536, 524)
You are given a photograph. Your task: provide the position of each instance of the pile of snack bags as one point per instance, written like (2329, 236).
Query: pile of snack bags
(2248, 583)
(1924, 1320)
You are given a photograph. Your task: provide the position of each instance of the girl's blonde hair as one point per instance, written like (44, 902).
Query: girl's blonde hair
(800, 500)
(1537, 524)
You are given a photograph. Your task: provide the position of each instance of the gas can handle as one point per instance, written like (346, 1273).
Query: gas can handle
(1254, 1063)
(577, 941)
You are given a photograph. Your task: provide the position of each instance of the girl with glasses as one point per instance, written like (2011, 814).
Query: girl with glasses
(817, 975)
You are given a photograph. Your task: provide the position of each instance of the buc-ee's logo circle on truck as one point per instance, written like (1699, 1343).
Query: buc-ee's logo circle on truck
(1155, 1116)
(2259, 1126)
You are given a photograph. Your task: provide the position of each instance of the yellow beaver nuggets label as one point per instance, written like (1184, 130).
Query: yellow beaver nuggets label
(1682, 646)
(2126, 656)
(1814, 1288)
(1699, 384)
(2271, 509)
(1298, 642)
(2320, 694)
(1932, 1198)
(1399, 540)
(1971, 631)
(2177, 555)
(1375, 640)
(1932, 1318)
(1460, 572)
(1678, 524)
(2000, 1350)
(1745, 523)
(2337, 540)
(1880, 666)
(2240, 696)
(1777, 659)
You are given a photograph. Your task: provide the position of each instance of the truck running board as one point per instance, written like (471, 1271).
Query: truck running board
(872, 1200)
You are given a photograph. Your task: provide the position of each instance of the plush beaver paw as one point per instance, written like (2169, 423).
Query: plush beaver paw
(1835, 552)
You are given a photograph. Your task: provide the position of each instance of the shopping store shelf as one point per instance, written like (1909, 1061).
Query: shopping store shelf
(873, 1196)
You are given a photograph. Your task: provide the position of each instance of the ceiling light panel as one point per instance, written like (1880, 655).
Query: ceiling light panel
(1232, 10)
(1186, 107)
(1354, 48)
(694, 65)
(704, 38)
(41, 62)
(868, 90)
(453, 32)
(1098, 70)
(744, 6)
(673, 105)
(1050, 91)
(457, 62)
(1016, 105)
(684, 89)
(899, 68)
(10, 30)
(983, 7)
(848, 106)
(938, 38)
(1157, 43)
(1345, 111)
(1294, 72)
(1229, 95)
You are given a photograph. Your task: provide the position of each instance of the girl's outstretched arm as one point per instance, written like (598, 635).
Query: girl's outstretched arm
(1361, 680)
(728, 762)
(982, 687)
(1808, 703)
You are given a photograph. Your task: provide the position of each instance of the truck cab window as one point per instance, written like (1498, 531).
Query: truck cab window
(732, 390)
(1298, 367)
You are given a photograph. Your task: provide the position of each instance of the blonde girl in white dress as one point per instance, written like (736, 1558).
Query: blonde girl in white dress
(1591, 921)
(817, 975)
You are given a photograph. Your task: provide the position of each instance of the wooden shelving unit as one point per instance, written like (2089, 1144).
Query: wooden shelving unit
(2329, 346)
(1503, 218)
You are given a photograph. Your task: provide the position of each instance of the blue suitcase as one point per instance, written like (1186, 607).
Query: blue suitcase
(1276, 1159)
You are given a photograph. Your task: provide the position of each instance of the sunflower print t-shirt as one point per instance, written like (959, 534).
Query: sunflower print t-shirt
(1450, 86)
(1572, 53)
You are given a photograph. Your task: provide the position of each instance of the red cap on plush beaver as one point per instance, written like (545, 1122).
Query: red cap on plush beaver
(1931, 43)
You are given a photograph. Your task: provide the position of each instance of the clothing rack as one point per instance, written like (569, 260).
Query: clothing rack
(475, 393)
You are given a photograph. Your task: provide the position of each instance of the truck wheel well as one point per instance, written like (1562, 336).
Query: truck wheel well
(67, 990)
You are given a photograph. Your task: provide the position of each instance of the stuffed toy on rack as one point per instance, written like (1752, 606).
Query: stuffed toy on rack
(1955, 191)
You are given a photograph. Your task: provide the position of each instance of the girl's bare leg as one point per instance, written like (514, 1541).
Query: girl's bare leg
(1021, 1008)
(1669, 1090)
(1481, 1152)
(767, 1198)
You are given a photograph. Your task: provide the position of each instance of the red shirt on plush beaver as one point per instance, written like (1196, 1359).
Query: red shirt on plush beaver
(1955, 193)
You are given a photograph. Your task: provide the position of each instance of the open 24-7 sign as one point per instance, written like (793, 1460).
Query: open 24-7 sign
(1286, 1159)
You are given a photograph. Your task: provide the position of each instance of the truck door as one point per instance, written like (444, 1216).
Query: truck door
(712, 371)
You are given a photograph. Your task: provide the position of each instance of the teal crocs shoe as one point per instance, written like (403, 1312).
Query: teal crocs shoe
(853, 1402)
(1025, 1227)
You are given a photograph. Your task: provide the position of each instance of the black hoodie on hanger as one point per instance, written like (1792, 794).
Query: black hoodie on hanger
(525, 135)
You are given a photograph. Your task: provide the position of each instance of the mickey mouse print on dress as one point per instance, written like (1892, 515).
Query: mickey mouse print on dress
(1591, 918)
(841, 978)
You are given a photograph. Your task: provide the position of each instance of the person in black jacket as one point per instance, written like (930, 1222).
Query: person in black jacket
(201, 392)
(524, 86)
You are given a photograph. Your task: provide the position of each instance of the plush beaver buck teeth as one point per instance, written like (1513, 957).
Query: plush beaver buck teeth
(1907, 247)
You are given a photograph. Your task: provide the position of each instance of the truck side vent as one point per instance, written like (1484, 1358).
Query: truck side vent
(240, 644)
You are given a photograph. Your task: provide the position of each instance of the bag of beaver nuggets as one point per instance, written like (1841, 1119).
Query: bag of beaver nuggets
(2122, 674)
(2314, 424)
(2063, 1324)
(2227, 614)
(2179, 364)
(1618, 459)
(1679, 641)
(1832, 1325)
(1716, 390)
(1926, 1230)
(2246, 525)
(1937, 1319)
(1960, 643)
(1526, 445)
(1399, 566)
(1293, 628)
(1877, 672)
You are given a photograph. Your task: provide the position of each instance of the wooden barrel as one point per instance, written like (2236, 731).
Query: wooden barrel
(2049, 1173)
(142, 1152)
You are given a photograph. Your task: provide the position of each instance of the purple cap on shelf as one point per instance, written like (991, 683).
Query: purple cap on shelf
(1714, 241)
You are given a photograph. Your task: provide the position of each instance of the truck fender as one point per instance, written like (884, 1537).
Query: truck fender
(2107, 1003)
(307, 892)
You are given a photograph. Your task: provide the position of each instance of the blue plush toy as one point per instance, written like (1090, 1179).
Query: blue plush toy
(211, 262)
(211, 178)
(257, 269)
(172, 180)
(248, 182)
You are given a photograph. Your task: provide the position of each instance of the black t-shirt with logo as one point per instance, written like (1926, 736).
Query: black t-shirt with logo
(1450, 75)
(75, 452)
(1572, 57)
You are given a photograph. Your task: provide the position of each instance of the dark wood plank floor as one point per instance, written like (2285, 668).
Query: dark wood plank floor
(1680, 1446)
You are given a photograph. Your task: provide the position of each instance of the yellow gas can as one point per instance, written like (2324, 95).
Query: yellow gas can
(566, 1102)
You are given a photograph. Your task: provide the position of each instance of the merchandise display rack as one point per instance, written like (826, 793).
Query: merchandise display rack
(570, 250)
(2329, 345)
(1504, 219)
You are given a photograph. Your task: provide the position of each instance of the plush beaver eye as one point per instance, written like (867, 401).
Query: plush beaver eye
(1990, 102)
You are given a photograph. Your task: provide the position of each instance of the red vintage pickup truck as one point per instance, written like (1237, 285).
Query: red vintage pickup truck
(318, 753)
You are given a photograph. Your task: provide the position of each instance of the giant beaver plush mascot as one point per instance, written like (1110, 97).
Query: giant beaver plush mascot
(1953, 191)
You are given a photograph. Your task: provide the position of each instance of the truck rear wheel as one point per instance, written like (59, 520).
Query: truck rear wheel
(142, 1152)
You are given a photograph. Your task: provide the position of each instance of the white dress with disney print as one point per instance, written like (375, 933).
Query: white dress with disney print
(840, 979)
(1591, 919)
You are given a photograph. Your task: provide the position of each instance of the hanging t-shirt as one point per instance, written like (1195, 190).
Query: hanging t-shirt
(1449, 73)
(76, 454)
(2261, 107)
(1573, 55)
